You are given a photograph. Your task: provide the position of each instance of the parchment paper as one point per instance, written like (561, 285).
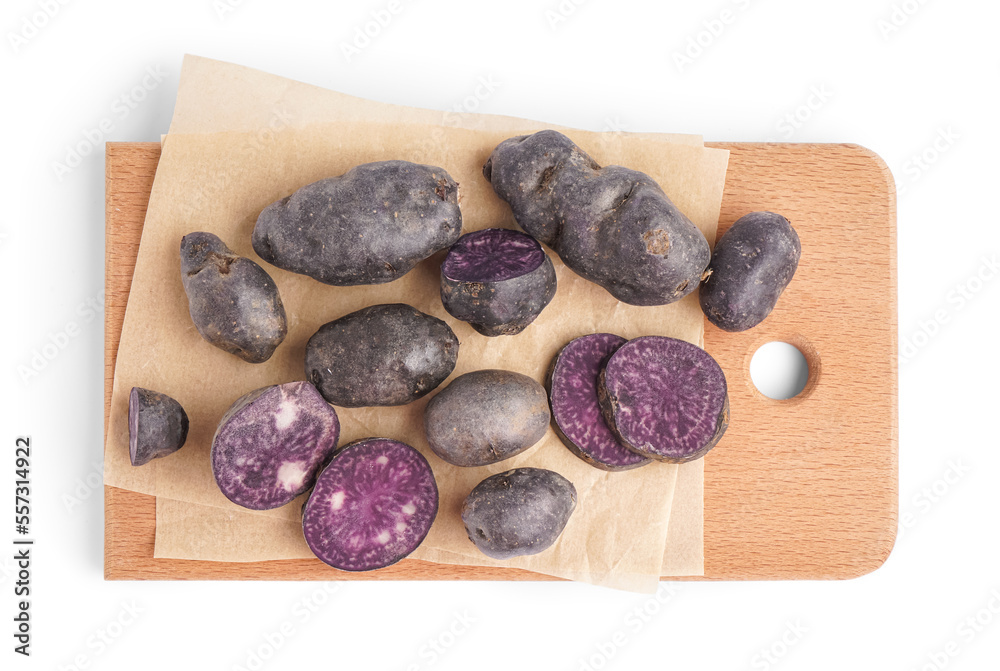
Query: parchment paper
(220, 182)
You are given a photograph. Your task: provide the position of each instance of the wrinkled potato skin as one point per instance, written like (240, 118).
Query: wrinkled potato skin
(611, 225)
(371, 225)
(485, 417)
(380, 356)
(500, 308)
(751, 266)
(518, 512)
(233, 302)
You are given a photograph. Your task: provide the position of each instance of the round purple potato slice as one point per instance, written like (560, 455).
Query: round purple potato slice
(576, 412)
(664, 398)
(751, 265)
(157, 425)
(497, 280)
(520, 512)
(486, 416)
(233, 302)
(381, 355)
(372, 506)
(271, 443)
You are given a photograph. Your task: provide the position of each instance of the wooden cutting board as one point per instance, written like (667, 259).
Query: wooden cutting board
(803, 488)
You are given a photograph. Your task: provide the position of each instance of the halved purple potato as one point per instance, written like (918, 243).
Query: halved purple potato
(664, 398)
(233, 302)
(572, 383)
(157, 425)
(497, 280)
(381, 355)
(486, 416)
(518, 512)
(372, 506)
(751, 265)
(271, 443)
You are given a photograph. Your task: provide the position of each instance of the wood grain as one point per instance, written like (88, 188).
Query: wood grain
(800, 489)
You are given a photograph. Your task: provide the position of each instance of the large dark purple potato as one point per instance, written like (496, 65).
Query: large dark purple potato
(271, 443)
(751, 265)
(371, 225)
(372, 506)
(498, 280)
(611, 225)
(486, 416)
(380, 355)
(157, 425)
(576, 412)
(664, 398)
(518, 512)
(233, 302)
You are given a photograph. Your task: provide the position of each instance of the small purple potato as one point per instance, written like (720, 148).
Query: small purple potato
(751, 265)
(233, 302)
(611, 225)
(519, 512)
(381, 355)
(371, 225)
(271, 443)
(372, 506)
(157, 425)
(486, 416)
(576, 412)
(498, 280)
(664, 398)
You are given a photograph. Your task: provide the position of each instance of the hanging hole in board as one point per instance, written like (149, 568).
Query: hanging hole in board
(779, 370)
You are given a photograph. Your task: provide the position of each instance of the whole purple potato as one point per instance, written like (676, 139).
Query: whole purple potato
(497, 280)
(380, 355)
(751, 265)
(486, 416)
(371, 225)
(233, 302)
(157, 425)
(518, 512)
(611, 225)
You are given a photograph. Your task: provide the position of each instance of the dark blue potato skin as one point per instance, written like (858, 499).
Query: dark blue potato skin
(752, 264)
(233, 302)
(613, 226)
(500, 308)
(518, 512)
(485, 417)
(371, 225)
(158, 425)
(380, 356)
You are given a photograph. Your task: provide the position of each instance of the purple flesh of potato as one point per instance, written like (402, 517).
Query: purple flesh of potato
(271, 444)
(497, 280)
(157, 425)
(577, 413)
(372, 506)
(664, 398)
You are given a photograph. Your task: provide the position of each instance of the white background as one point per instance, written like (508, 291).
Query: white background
(603, 65)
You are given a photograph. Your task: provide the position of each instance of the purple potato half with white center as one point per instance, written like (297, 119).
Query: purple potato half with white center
(576, 411)
(233, 302)
(372, 505)
(157, 425)
(612, 225)
(664, 398)
(497, 280)
(519, 512)
(486, 416)
(751, 265)
(380, 356)
(371, 225)
(271, 443)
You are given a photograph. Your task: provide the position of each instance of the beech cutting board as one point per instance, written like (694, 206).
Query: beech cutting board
(800, 489)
